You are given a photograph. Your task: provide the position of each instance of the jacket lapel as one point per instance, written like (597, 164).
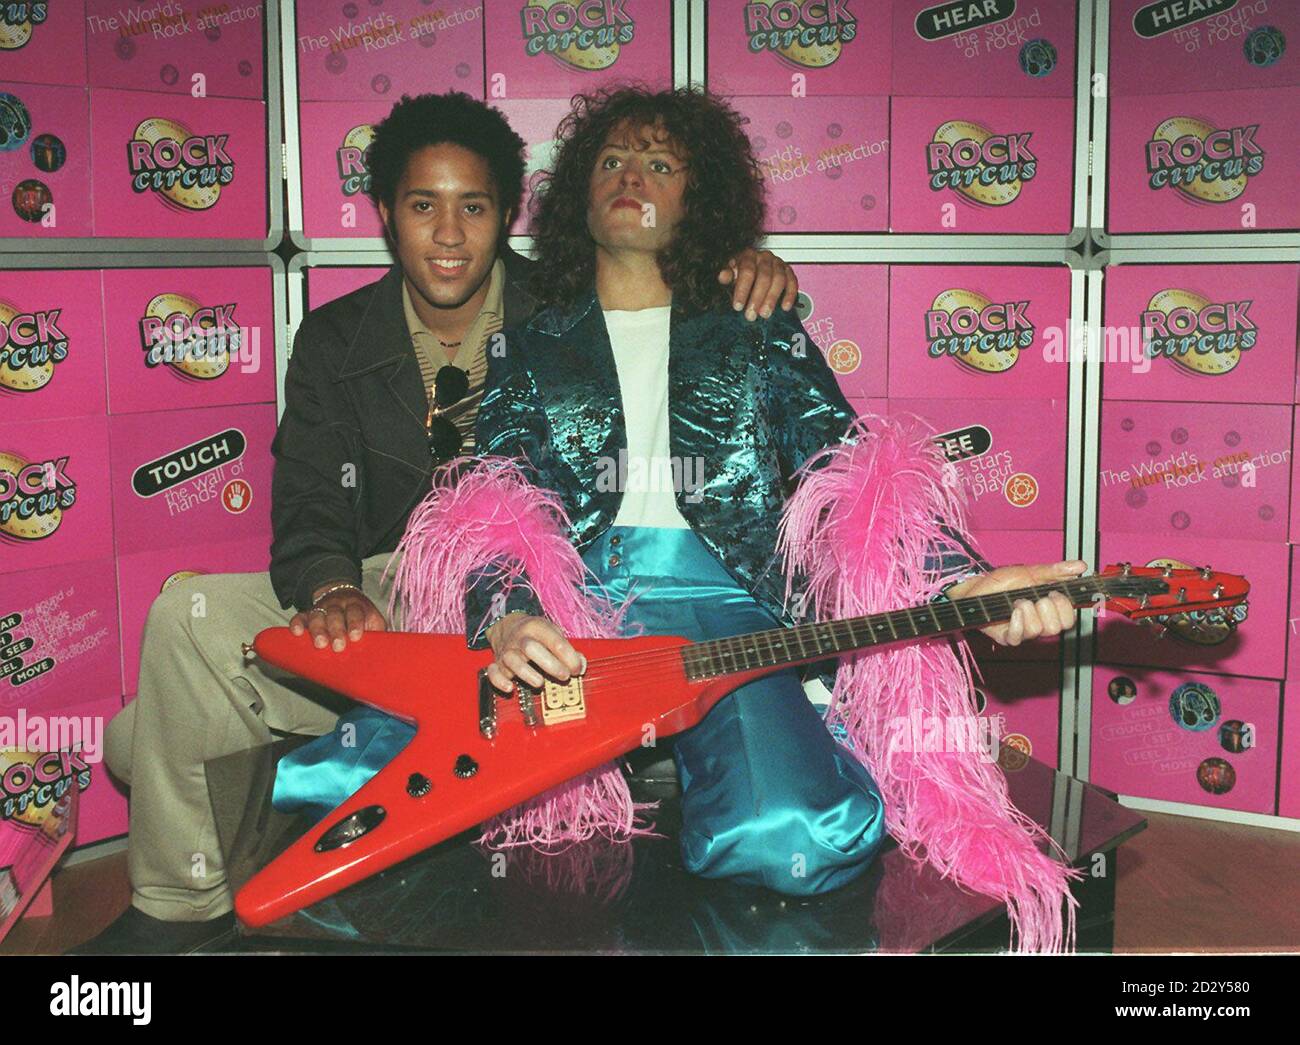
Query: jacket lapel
(381, 368)
(578, 386)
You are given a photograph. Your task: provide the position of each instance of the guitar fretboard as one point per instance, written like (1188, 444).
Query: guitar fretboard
(815, 641)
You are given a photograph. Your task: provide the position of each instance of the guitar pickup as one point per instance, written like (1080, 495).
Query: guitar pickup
(563, 701)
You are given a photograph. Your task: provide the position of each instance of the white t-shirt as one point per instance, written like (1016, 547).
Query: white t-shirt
(646, 474)
(640, 343)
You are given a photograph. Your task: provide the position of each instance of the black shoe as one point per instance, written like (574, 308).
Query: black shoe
(135, 932)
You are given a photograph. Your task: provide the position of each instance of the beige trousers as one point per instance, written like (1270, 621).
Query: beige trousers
(199, 698)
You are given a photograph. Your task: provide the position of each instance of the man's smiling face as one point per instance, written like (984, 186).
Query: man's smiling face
(446, 221)
(637, 189)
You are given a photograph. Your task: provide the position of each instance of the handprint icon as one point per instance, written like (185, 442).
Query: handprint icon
(236, 496)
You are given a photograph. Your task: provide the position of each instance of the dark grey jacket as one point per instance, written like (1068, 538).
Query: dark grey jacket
(351, 457)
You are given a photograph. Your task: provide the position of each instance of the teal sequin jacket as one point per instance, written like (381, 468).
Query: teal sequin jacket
(749, 402)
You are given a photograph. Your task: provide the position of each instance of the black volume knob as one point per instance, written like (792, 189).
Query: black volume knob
(418, 785)
(466, 767)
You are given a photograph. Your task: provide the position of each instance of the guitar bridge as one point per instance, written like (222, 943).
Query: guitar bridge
(528, 704)
(487, 706)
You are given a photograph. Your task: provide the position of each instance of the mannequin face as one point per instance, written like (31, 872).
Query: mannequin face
(637, 190)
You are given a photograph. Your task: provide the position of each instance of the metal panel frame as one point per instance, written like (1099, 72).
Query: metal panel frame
(292, 151)
(1017, 242)
(275, 176)
(72, 260)
(1165, 241)
(1217, 250)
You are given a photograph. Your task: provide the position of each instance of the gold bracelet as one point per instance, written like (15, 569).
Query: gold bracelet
(344, 586)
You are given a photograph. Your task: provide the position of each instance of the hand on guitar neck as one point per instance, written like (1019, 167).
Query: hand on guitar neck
(525, 646)
(1050, 615)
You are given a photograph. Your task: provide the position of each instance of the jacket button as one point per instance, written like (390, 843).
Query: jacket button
(615, 541)
(614, 560)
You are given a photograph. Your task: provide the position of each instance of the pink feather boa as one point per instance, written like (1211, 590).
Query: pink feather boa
(856, 530)
(484, 513)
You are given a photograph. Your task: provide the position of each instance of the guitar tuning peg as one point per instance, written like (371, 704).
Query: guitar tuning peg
(1205, 573)
(1125, 568)
(1218, 592)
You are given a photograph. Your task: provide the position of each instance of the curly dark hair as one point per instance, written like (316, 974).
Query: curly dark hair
(723, 203)
(431, 119)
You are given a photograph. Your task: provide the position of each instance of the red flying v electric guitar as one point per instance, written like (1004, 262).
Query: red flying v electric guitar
(477, 752)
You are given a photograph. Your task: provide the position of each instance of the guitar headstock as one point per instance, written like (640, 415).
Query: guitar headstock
(1204, 595)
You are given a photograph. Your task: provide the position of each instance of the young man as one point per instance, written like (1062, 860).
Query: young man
(382, 384)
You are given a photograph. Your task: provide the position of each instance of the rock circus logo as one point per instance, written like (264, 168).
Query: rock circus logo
(1198, 335)
(33, 497)
(185, 170)
(195, 341)
(1201, 163)
(353, 159)
(585, 35)
(810, 35)
(35, 787)
(981, 335)
(982, 167)
(16, 22)
(31, 345)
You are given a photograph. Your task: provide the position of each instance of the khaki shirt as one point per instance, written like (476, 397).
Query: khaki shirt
(470, 356)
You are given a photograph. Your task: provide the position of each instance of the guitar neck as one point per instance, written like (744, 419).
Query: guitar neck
(804, 643)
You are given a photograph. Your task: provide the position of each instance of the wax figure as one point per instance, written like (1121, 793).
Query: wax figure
(636, 359)
(382, 384)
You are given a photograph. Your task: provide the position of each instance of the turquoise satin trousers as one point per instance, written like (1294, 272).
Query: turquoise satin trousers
(768, 796)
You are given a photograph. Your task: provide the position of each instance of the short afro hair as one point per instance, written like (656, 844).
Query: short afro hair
(455, 117)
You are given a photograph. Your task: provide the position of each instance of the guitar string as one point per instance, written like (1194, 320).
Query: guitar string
(649, 662)
(736, 646)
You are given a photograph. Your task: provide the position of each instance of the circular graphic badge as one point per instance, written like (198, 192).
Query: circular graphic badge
(1021, 490)
(15, 122)
(1236, 736)
(1194, 706)
(48, 153)
(1037, 58)
(1216, 775)
(1122, 690)
(1015, 752)
(1264, 46)
(236, 496)
(844, 356)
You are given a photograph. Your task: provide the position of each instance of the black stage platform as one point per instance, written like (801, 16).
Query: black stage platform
(636, 899)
